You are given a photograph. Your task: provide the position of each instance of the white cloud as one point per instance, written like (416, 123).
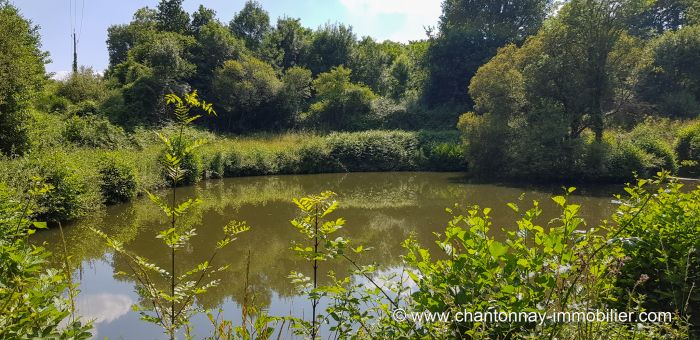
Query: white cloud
(417, 15)
(103, 307)
(61, 75)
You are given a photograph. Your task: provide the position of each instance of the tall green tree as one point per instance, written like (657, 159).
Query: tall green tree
(202, 17)
(671, 81)
(22, 75)
(122, 38)
(251, 24)
(533, 102)
(369, 61)
(287, 44)
(215, 45)
(469, 33)
(332, 46)
(659, 16)
(246, 91)
(580, 41)
(341, 104)
(172, 17)
(295, 93)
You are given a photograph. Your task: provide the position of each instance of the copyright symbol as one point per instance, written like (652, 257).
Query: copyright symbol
(398, 315)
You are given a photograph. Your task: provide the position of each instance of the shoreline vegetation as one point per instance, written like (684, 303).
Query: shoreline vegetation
(107, 165)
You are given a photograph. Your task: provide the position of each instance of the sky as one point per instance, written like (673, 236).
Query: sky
(398, 20)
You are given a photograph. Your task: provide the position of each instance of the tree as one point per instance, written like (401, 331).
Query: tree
(122, 38)
(533, 102)
(659, 16)
(398, 78)
(341, 105)
(245, 90)
(83, 85)
(215, 44)
(286, 45)
(331, 46)
(201, 18)
(671, 81)
(582, 38)
(22, 75)
(251, 24)
(296, 91)
(171, 17)
(470, 32)
(368, 61)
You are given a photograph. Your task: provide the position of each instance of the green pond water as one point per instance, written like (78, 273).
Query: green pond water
(381, 210)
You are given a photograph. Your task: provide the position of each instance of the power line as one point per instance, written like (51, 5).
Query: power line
(82, 15)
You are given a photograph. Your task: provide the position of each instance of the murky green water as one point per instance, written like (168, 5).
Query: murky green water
(381, 210)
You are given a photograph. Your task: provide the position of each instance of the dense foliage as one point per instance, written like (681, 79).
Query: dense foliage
(557, 266)
(31, 293)
(585, 90)
(21, 76)
(554, 106)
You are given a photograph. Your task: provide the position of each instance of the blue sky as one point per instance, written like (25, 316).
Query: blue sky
(400, 20)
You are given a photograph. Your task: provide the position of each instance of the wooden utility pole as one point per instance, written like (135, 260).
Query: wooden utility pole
(75, 55)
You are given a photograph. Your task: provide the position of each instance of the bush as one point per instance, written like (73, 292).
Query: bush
(94, 131)
(217, 165)
(33, 297)
(52, 103)
(375, 150)
(688, 150)
(190, 163)
(624, 159)
(543, 265)
(654, 136)
(117, 180)
(85, 108)
(662, 241)
(443, 157)
(67, 200)
(85, 85)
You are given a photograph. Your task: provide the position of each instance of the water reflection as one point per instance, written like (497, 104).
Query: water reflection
(104, 307)
(381, 210)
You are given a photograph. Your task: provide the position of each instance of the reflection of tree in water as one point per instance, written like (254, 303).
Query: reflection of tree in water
(381, 210)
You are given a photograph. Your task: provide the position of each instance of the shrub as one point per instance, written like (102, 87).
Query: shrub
(217, 165)
(95, 131)
(688, 149)
(444, 157)
(117, 180)
(67, 200)
(32, 296)
(662, 155)
(484, 144)
(84, 108)
(374, 150)
(52, 103)
(190, 163)
(663, 245)
(624, 160)
(316, 157)
(83, 85)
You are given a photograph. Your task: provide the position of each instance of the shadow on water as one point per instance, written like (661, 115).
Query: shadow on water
(381, 210)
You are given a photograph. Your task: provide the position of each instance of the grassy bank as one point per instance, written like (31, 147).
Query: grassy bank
(91, 162)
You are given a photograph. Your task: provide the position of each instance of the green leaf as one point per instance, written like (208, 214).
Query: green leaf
(560, 200)
(497, 249)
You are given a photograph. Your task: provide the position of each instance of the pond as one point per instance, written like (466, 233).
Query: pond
(381, 210)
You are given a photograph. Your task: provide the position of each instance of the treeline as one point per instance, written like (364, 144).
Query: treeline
(586, 96)
(552, 90)
(260, 75)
